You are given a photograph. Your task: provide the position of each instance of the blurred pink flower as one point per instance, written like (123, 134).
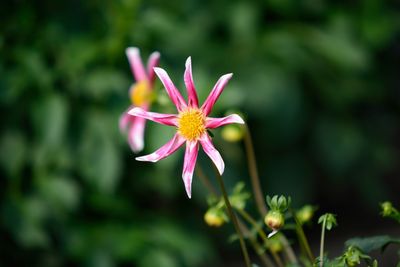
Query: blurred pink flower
(141, 95)
(191, 123)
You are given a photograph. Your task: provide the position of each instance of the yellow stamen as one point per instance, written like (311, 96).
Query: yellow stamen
(140, 93)
(191, 124)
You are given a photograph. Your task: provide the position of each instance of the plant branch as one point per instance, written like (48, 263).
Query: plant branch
(234, 220)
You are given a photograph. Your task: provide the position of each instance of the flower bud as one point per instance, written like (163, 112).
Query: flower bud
(214, 217)
(274, 220)
(274, 244)
(232, 133)
(305, 214)
(387, 208)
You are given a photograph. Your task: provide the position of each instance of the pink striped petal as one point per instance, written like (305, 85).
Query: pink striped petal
(166, 119)
(170, 147)
(136, 63)
(151, 64)
(215, 93)
(192, 150)
(136, 134)
(124, 120)
(173, 93)
(191, 90)
(212, 123)
(210, 150)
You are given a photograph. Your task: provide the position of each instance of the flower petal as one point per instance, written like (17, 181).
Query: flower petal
(166, 119)
(192, 150)
(215, 93)
(151, 64)
(173, 93)
(191, 90)
(170, 147)
(136, 134)
(124, 120)
(136, 63)
(210, 150)
(212, 123)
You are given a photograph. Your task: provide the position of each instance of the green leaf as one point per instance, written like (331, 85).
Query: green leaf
(369, 244)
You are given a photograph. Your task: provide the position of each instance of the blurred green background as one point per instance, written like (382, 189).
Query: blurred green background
(317, 80)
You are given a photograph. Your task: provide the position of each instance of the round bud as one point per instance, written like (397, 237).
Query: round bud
(214, 218)
(274, 220)
(232, 133)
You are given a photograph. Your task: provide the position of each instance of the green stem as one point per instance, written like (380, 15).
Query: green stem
(234, 220)
(205, 181)
(302, 237)
(321, 249)
(261, 233)
(255, 178)
(258, 194)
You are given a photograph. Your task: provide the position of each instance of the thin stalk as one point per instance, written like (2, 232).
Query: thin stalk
(321, 249)
(205, 181)
(261, 233)
(266, 261)
(256, 246)
(255, 178)
(234, 220)
(302, 237)
(258, 194)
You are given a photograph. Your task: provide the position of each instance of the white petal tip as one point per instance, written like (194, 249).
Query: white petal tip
(238, 119)
(188, 61)
(155, 54)
(146, 158)
(134, 111)
(132, 50)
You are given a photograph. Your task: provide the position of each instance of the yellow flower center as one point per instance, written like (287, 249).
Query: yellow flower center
(191, 124)
(140, 93)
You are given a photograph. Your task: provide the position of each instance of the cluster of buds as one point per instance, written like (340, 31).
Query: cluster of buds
(275, 218)
(216, 215)
(353, 256)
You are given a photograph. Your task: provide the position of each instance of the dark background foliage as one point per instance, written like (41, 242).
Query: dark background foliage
(317, 81)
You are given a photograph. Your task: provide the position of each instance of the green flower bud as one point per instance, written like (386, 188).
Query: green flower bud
(274, 244)
(232, 133)
(274, 220)
(305, 214)
(387, 209)
(215, 217)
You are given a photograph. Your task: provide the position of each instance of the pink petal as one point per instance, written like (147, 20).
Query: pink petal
(151, 64)
(166, 119)
(188, 78)
(124, 120)
(210, 150)
(192, 149)
(136, 63)
(173, 93)
(212, 123)
(215, 93)
(136, 134)
(170, 147)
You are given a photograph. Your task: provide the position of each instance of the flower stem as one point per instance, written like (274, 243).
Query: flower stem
(234, 220)
(255, 179)
(261, 233)
(321, 249)
(302, 237)
(205, 181)
(258, 194)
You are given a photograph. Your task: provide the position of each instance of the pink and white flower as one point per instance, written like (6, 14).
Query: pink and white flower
(191, 123)
(141, 95)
